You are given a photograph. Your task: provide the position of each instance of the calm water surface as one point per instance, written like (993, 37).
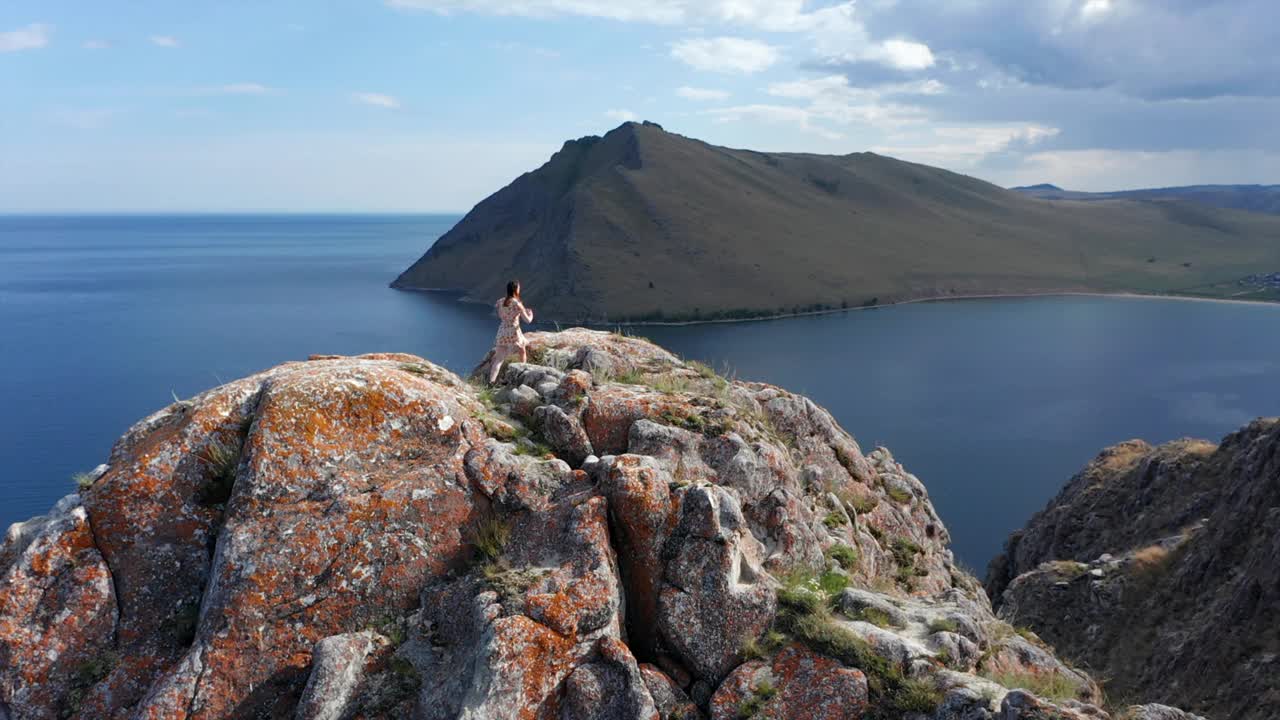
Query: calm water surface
(994, 404)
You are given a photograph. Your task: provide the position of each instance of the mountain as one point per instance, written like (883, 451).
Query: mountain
(1159, 569)
(1254, 198)
(647, 224)
(612, 533)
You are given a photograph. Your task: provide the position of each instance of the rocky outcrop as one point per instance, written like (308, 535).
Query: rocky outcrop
(1159, 568)
(609, 532)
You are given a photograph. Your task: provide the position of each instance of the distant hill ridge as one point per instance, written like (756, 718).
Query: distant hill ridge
(1254, 198)
(643, 224)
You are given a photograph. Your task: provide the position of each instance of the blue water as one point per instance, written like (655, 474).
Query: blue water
(994, 404)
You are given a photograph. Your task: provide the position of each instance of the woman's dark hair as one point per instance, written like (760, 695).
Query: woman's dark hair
(513, 291)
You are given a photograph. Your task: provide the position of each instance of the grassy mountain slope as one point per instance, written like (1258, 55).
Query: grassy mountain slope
(646, 224)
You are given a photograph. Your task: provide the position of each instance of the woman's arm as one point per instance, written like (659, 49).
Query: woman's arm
(526, 313)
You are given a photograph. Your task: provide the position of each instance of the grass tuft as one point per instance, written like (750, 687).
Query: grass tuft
(875, 616)
(900, 496)
(220, 460)
(943, 625)
(490, 537)
(83, 480)
(1048, 685)
(845, 556)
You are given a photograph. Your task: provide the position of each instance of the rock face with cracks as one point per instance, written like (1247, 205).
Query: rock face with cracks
(608, 533)
(1159, 567)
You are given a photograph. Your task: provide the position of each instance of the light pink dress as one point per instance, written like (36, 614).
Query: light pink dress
(509, 337)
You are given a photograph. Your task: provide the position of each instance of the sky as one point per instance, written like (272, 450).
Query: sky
(431, 105)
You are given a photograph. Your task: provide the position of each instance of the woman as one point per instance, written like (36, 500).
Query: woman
(509, 340)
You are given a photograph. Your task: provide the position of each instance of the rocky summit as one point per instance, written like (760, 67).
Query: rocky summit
(1159, 568)
(608, 533)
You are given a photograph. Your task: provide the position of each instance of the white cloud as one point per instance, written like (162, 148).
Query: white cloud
(620, 115)
(165, 41)
(377, 100)
(31, 37)
(1095, 10)
(834, 32)
(796, 117)
(725, 54)
(834, 100)
(95, 45)
(903, 54)
(701, 94)
(964, 147)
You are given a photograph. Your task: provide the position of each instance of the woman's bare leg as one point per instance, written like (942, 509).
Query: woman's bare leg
(524, 354)
(495, 365)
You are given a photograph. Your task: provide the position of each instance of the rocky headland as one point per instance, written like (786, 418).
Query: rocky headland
(609, 533)
(1158, 568)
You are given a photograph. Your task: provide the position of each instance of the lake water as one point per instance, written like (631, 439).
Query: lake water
(994, 404)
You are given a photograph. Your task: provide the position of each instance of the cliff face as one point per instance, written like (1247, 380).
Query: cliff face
(646, 224)
(1159, 568)
(611, 533)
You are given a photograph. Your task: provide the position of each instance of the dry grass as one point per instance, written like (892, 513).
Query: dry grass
(1047, 685)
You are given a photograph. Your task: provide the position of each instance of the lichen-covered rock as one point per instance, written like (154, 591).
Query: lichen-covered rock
(609, 688)
(1155, 566)
(245, 551)
(796, 684)
(668, 697)
(564, 433)
(714, 596)
(338, 666)
(57, 614)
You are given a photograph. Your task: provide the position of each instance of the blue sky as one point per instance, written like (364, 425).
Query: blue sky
(433, 104)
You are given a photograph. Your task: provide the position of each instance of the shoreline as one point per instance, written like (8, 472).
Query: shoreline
(833, 311)
(931, 299)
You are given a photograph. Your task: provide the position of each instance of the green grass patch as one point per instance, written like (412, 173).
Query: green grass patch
(900, 496)
(835, 519)
(804, 615)
(845, 556)
(943, 625)
(83, 480)
(833, 583)
(875, 616)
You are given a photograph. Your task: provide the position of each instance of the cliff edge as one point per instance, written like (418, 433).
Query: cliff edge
(610, 533)
(1159, 569)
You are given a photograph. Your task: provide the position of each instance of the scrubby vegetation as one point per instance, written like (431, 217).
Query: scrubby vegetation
(804, 615)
